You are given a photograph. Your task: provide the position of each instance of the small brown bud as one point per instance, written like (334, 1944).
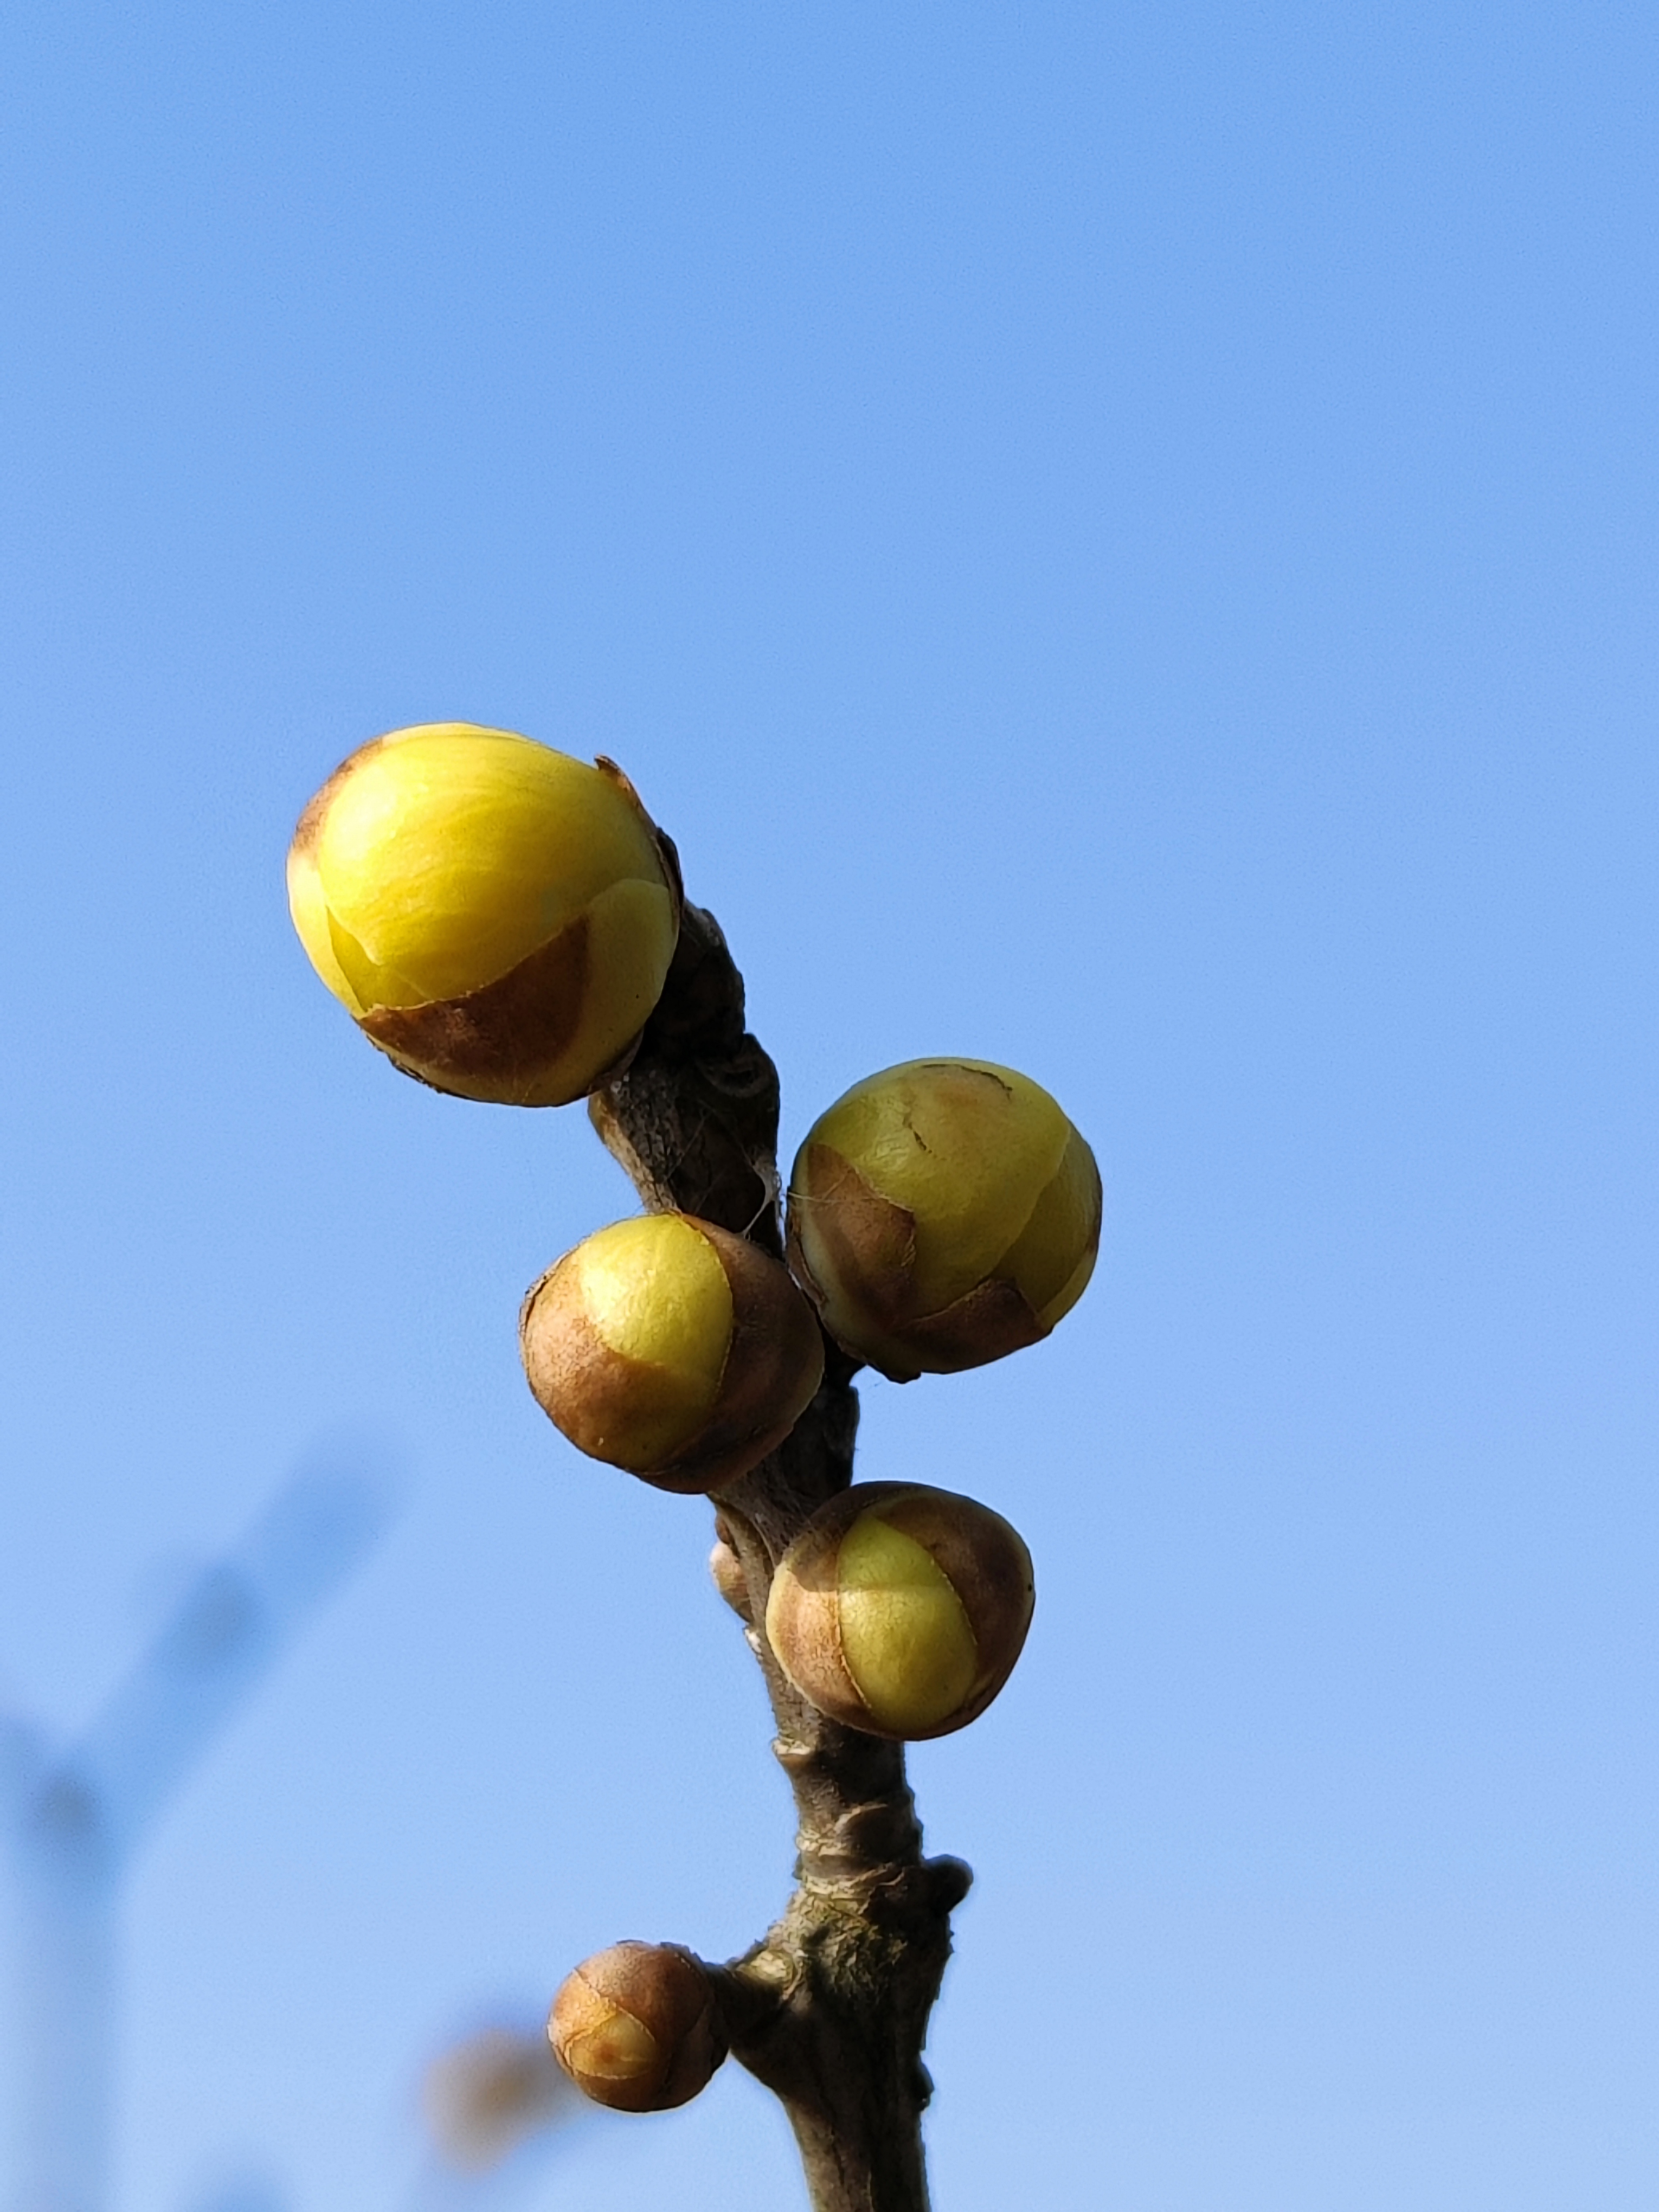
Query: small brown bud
(901, 1610)
(943, 1214)
(671, 1348)
(636, 2028)
(729, 1580)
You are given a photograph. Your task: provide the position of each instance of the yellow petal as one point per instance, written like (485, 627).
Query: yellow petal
(309, 908)
(1052, 1258)
(653, 1288)
(630, 941)
(448, 852)
(965, 1147)
(905, 1637)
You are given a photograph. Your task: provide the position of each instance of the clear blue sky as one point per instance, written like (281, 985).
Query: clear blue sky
(1119, 538)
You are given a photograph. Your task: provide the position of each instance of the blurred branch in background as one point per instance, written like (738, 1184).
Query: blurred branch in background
(70, 1822)
(494, 2102)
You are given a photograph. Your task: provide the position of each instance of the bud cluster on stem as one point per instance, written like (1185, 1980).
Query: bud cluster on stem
(508, 924)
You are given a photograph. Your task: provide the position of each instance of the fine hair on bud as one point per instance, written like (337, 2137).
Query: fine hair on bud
(636, 2028)
(941, 1214)
(900, 1609)
(496, 917)
(671, 1348)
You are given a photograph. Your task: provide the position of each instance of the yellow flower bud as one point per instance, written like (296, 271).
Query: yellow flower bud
(941, 1214)
(671, 1348)
(901, 1610)
(636, 2028)
(496, 917)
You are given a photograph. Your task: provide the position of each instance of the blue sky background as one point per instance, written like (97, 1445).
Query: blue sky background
(1119, 539)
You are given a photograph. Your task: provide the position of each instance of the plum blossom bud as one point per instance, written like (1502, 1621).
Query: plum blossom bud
(942, 1213)
(669, 1346)
(496, 917)
(636, 2028)
(901, 1610)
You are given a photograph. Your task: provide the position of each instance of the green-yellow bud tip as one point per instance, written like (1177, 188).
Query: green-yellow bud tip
(671, 1348)
(942, 1213)
(905, 1636)
(900, 1609)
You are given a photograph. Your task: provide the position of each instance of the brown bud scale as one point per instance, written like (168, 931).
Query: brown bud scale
(636, 2028)
(774, 1365)
(979, 1554)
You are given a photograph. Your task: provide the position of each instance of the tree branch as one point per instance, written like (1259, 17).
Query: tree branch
(830, 2009)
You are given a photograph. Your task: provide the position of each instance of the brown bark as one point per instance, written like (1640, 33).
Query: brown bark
(830, 2009)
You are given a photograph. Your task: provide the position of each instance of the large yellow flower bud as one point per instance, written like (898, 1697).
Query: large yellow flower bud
(671, 1348)
(942, 1213)
(496, 917)
(901, 1610)
(636, 2028)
